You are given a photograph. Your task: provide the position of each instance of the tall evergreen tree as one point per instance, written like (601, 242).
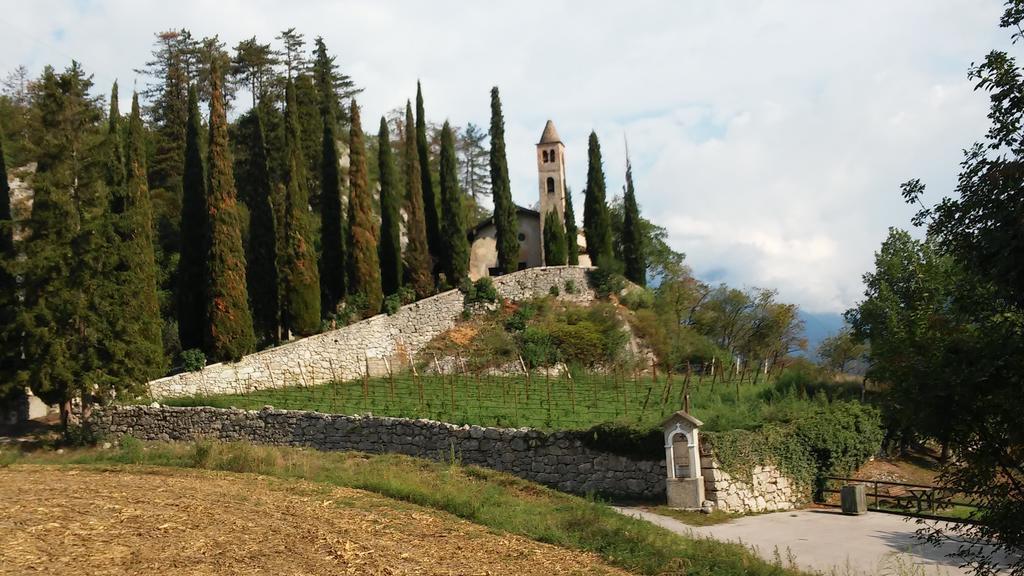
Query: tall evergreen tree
(364, 264)
(332, 233)
(262, 258)
(632, 234)
(453, 225)
(571, 231)
(229, 333)
(390, 225)
(192, 274)
(138, 261)
(596, 221)
(10, 343)
(431, 213)
(301, 276)
(506, 223)
(555, 247)
(418, 263)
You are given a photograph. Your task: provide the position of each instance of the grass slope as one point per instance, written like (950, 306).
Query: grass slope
(498, 501)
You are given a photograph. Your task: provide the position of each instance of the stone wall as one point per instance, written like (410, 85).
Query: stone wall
(559, 459)
(371, 345)
(769, 489)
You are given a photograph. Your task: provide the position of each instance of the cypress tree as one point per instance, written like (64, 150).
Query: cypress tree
(332, 235)
(431, 214)
(262, 259)
(10, 346)
(229, 333)
(301, 277)
(390, 233)
(632, 235)
(555, 248)
(191, 300)
(571, 232)
(506, 223)
(142, 307)
(596, 221)
(364, 265)
(417, 252)
(453, 225)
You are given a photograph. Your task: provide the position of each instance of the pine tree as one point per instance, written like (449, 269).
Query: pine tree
(364, 265)
(596, 222)
(262, 258)
(191, 299)
(390, 224)
(571, 231)
(301, 276)
(229, 333)
(632, 234)
(555, 247)
(138, 260)
(431, 213)
(332, 267)
(10, 342)
(506, 223)
(453, 225)
(418, 263)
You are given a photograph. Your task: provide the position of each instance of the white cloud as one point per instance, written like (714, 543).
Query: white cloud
(769, 137)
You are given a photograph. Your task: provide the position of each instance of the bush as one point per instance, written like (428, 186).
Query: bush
(193, 360)
(392, 303)
(553, 291)
(570, 286)
(485, 290)
(406, 295)
(538, 347)
(581, 343)
(605, 281)
(637, 299)
(523, 314)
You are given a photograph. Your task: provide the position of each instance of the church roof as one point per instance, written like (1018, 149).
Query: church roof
(550, 135)
(528, 212)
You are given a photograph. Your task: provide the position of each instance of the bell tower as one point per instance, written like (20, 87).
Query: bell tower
(551, 174)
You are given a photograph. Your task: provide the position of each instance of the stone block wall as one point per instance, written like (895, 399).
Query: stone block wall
(559, 459)
(367, 346)
(769, 489)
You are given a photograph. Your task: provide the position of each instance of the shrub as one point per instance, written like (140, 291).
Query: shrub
(193, 360)
(570, 286)
(538, 347)
(553, 290)
(581, 343)
(605, 281)
(523, 314)
(482, 290)
(392, 303)
(406, 295)
(637, 299)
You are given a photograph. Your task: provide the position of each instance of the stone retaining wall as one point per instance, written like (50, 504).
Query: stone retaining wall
(559, 459)
(370, 345)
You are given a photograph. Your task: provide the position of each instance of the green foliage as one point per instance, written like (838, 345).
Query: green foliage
(638, 299)
(193, 360)
(390, 219)
(553, 291)
(300, 275)
(455, 260)
(632, 242)
(364, 265)
(406, 295)
(634, 441)
(229, 334)
(9, 305)
(485, 290)
(570, 286)
(537, 347)
(192, 273)
(506, 224)
(332, 221)
(418, 264)
(431, 210)
(262, 256)
(571, 232)
(596, 221)
(838, 351)
(605, 281)
(555, 247)
(392, 303)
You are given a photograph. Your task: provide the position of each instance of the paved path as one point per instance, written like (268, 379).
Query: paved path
(823, 540)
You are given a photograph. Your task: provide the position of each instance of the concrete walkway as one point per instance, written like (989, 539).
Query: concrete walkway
(827, 541)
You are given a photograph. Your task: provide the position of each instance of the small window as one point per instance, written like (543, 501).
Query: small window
(552, 156)
(545, 155)
(551, 185)
(522, 237)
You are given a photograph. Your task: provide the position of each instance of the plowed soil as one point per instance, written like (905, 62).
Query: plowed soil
(137, 520)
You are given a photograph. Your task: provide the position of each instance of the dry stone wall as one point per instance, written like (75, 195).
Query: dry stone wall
(768, 490)
(367, 346)
(558, 459)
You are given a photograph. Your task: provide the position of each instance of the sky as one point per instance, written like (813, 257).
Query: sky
(768, 137)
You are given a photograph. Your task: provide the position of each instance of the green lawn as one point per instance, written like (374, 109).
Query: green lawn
(493, 499)
(538, 402)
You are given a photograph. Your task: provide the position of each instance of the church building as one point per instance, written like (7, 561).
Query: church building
(483, 255)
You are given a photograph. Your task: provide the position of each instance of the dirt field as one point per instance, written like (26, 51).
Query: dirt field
(164, 521)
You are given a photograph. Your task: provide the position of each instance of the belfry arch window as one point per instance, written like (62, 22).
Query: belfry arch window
(551, 185)
(545, 154)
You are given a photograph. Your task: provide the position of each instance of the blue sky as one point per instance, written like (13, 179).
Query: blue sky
(769, 137)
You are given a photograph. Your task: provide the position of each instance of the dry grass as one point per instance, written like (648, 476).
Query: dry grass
(148, 520)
